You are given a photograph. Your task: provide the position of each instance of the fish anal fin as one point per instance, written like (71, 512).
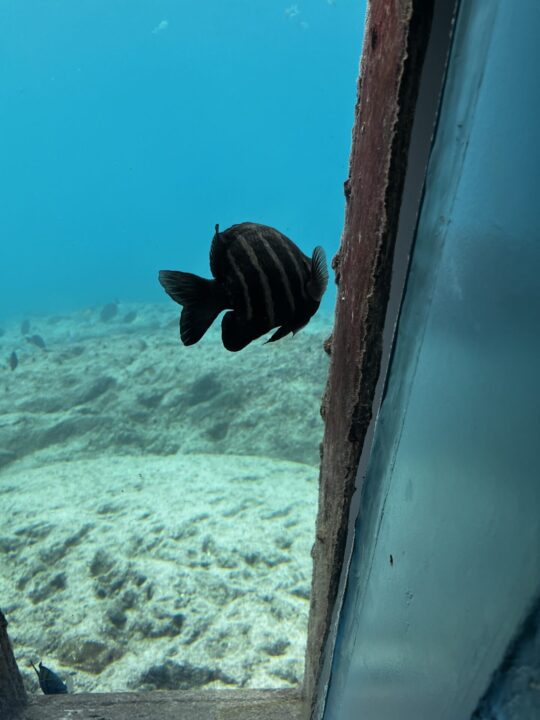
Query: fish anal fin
(280, 333)
(236, 333)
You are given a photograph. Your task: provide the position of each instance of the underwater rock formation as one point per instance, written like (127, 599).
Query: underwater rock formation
(152, 572)
(133, 389)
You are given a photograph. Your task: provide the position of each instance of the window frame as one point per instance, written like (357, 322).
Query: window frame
(400, 87)
(370, 269)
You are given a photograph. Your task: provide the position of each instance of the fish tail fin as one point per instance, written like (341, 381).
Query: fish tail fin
(202, 301)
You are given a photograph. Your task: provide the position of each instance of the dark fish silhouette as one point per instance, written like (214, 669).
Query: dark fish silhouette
(260, 276)
(13, 360)
(108, 311)
(49, 681)
(130, 316)
(38, 341)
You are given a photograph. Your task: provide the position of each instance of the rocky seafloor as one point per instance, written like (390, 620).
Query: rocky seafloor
(158, 502)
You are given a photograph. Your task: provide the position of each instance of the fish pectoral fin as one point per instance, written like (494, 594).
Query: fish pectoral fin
(280, 333)
(319, 274)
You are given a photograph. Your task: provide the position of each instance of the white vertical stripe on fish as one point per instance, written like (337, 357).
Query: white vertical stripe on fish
(243, 283)
(280, 269)
(285, 245)
(262, 276)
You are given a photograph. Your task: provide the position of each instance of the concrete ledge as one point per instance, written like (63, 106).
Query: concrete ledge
(169, 705)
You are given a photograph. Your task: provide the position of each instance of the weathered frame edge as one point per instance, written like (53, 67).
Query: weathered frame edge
(13, 696)
(395, 43)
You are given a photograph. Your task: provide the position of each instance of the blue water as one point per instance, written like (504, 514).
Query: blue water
(129, 128)
(160, 499)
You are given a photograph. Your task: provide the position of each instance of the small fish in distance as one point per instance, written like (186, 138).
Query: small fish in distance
(130, 316)
(49, 681)
(13, 360)
(260, 276)
(108, 311)
(38, 341)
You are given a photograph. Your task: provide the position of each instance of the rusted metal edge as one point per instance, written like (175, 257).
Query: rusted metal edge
(396, 37)
(12, 692)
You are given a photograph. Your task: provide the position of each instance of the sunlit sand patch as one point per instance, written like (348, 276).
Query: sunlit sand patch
(160, 572)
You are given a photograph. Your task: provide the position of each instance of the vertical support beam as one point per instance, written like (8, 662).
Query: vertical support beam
(12, 692)
(396, 37)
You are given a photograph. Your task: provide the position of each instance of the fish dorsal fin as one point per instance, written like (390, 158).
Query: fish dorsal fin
(319, 274)
(215, 253)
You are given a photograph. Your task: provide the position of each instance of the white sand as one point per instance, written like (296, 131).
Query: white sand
(158, 503)
(156, 571)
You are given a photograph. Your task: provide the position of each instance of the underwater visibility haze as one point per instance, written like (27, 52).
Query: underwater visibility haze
(129, 129)
(158, 501)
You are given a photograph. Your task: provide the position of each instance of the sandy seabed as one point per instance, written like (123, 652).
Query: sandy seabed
(158, 502)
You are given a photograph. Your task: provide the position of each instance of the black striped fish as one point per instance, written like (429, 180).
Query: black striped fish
(260, 276)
